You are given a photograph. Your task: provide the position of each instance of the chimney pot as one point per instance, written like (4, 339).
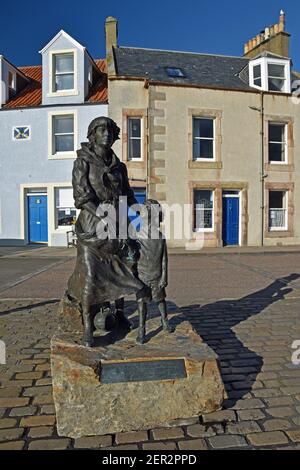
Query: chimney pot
(267, 33)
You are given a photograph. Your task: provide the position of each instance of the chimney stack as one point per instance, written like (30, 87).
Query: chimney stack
(111, 36)
(273, 39)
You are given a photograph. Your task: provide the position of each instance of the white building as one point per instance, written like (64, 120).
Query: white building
(45, 111)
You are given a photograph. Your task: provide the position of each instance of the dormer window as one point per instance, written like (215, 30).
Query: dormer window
(270, 74)
(63, 72)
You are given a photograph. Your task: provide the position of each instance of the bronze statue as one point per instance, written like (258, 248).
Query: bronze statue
(152, 266)
(100, 275)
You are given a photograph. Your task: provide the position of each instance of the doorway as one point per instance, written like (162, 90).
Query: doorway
(231, 218)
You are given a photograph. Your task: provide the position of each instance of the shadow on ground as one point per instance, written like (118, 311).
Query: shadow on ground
(215, 323)
(28, 307)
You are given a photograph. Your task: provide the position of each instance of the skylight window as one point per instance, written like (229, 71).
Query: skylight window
(175, 72)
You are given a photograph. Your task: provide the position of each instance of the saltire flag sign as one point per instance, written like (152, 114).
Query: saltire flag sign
(21, 133)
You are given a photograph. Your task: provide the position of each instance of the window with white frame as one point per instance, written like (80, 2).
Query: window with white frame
(257, 75)
(277, 142)
(63, 72)
(276, 77)
(278, 210)
(203, 138)
(270, 74)
(65, 210)
(12, 80)
(134, 126)
(62, 133)
(203, 210)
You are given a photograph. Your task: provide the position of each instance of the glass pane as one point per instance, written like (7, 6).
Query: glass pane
(66, 216)
(257, 81)
(257, 71)
(276, 199)
(276, 133)
(275, 70)
(64, 63)
(64, 82)
(206, 149)
(64, 143)
(203, 218)
(196, 149)
(276, 84)
(63, 124)
(134, 128)
(276, 153)
(277, 218)
(134, 148)
(174, 72)
(64, 197)
(203, 198)
(203, 127)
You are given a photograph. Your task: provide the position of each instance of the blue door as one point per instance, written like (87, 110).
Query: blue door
(37, 219)
(140, 196)
(230, 220)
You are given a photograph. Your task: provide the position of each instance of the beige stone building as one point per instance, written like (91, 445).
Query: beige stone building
(219, 133)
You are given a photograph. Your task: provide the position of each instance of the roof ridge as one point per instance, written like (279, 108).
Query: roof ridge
(182, 52)
(27, 66)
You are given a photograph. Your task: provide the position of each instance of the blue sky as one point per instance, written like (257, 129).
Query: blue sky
(219, 27)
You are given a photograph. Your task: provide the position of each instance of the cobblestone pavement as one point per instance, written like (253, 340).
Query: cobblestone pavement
(251, 328)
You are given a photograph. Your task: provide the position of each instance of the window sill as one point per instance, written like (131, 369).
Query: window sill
(195, 164)
(279, 233)
(64, 228)
(141, 163)
(62, 156)
(63, 93)
(203, 230)
(279, 167)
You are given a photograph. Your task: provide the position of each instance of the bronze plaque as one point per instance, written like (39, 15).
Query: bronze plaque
(143, 371)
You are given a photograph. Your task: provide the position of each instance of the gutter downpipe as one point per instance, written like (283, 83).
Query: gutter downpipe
(147, 87)
(263, 175)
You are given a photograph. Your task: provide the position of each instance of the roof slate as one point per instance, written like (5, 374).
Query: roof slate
(199, 69)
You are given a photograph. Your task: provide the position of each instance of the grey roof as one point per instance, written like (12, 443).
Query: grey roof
(199, 69)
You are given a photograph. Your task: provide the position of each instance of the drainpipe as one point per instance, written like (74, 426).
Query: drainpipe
(263, 175)
(261, 111)
(147, 87)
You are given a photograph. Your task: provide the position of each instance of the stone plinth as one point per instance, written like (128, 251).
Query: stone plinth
(125, 386)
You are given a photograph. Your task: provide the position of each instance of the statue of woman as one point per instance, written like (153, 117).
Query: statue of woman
(100, 274)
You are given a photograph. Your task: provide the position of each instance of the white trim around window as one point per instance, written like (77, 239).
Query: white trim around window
(199, 138)
(264, 63)
(137, 138)
(52, 154)
(203, 210)
(74, 90)
(282, 143)
(278, 216)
